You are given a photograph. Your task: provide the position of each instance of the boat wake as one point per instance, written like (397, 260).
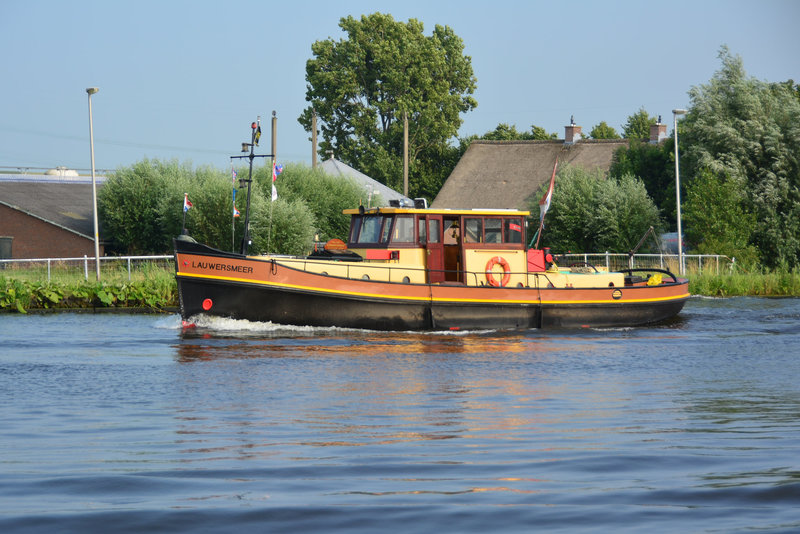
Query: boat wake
(226, 325)
(208, 324)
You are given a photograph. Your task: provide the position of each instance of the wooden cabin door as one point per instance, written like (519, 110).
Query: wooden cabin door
(431, 227)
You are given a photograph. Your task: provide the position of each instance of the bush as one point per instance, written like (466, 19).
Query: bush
(324, 195)
(589, 213)
(717, 220)
(141, 208)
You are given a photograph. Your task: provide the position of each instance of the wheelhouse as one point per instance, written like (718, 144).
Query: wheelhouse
(409, 228)
(450, 245)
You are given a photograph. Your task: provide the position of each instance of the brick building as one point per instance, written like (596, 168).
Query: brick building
(43, 216)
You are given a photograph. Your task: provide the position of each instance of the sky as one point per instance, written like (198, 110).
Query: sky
(183, 80)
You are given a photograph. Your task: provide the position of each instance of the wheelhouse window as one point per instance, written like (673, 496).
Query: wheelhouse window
(435, 230)
(403, 229)
(473, 230)
(512, 230)
(370, 229)
(493, 230)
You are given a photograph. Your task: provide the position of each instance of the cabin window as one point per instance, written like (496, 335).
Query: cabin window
(473, 230)
(403, 229)
(451, 232)
(421, 231)
(387, 228)
(493, 230)
(512, 230)
(371, 229)
(355, 228)
(434, 227)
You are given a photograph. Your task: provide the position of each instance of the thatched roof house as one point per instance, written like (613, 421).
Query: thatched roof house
(507, 174)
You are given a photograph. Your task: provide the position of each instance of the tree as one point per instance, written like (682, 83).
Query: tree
(539, 133)
(504, 132)
(789, 85)
(325, 196)
(604, 131)
(638, 125)
(589, 213)
(361, 87)
(282, 226)
(716, 218)
(748, 131)
(655, 166)
(140, 206)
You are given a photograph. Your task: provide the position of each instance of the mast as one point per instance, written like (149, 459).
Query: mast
(255, 136)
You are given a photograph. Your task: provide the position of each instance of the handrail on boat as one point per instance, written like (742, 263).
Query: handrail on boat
(651, 270)
(304, 263)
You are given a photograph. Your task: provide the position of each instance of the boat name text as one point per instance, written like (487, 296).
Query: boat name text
(221, 267)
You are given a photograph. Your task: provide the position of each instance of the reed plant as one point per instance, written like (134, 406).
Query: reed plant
(777, 283)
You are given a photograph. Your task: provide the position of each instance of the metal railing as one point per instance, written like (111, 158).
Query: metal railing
(126, 266)
(614, 262)
(117, 266)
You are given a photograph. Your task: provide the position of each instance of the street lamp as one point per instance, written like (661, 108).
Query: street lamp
(90, 91)
(681, 265)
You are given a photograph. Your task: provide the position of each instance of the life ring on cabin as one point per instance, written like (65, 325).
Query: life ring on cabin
(497, 260)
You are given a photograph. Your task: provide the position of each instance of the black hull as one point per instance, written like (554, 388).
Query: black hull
(279, 305)
(609, 316)
(257, 303)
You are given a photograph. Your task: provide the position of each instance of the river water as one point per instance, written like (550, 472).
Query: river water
(124, 423)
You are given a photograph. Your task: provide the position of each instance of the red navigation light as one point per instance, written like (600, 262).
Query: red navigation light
(254, 126)
(207, 304)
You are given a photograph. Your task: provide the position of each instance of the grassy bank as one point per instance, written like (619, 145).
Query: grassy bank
(157, 290)
(772, 284)
(154, 292)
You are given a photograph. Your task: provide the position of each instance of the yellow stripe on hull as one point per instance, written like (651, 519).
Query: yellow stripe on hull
(432, 299)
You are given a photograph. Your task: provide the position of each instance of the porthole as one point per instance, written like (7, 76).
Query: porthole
(365, 277)
(406, 280)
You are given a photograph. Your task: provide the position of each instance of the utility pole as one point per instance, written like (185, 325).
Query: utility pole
(405, 153)
(313, 139)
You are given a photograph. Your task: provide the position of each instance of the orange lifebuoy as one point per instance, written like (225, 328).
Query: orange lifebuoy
(497, 260)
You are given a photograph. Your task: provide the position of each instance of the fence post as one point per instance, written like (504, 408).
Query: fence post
(48, 270)
(608, 265)
(86, 267)
(129, 269)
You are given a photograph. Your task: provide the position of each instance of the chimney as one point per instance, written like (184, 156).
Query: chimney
(658, 132)
(572, 133)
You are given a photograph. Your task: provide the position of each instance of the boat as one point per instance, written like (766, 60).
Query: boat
(414, 268)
